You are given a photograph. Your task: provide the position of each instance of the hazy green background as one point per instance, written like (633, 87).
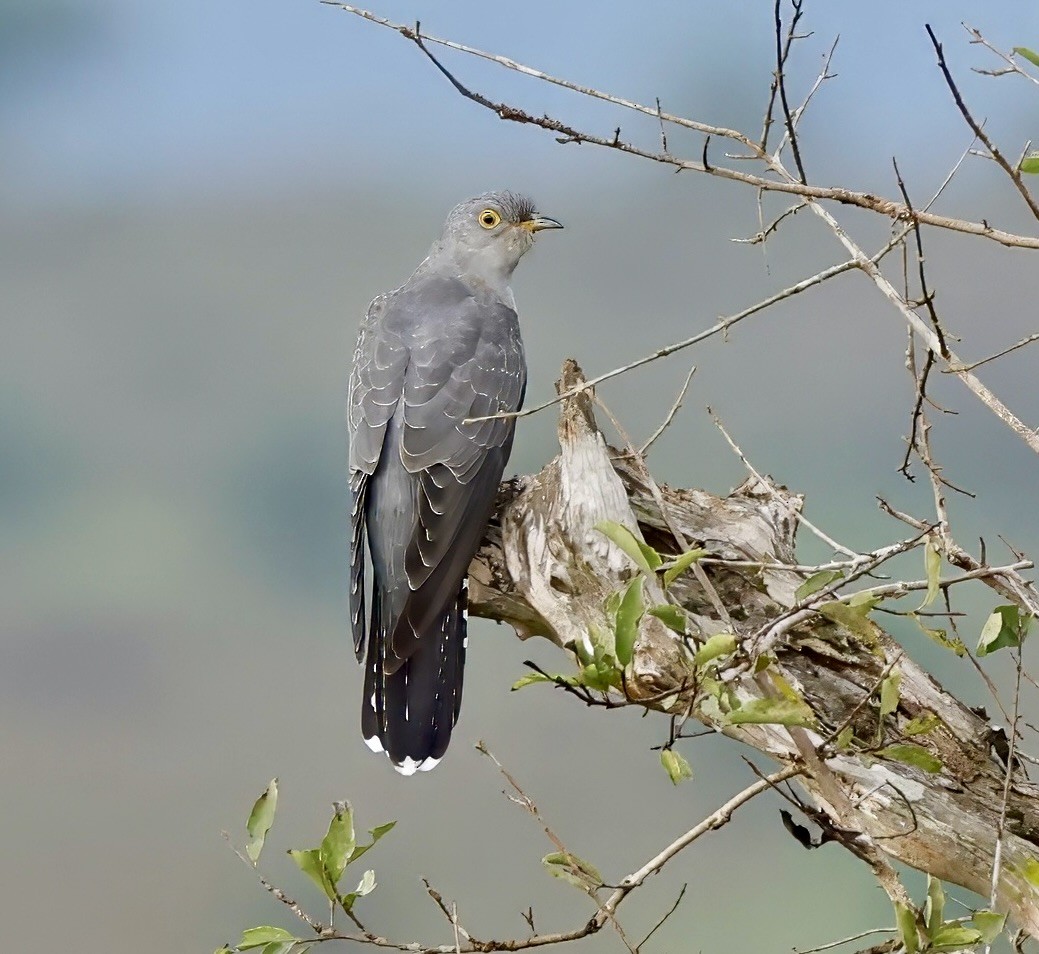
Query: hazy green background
(197, 201)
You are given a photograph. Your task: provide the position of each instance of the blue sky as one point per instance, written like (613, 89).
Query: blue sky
(157, 101)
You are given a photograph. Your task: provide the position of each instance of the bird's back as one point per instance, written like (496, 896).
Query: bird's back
(431, 356)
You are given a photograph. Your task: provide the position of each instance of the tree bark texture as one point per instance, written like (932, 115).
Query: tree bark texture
(548, 572)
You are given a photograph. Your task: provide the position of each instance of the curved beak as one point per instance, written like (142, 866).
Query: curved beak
(540, 222)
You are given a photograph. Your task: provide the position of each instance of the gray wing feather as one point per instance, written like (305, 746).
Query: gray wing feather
(434, 354)
(376, 380)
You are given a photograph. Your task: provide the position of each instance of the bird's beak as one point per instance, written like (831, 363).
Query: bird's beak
(540, 222)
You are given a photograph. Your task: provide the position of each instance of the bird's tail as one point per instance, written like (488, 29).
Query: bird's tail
(410, 712)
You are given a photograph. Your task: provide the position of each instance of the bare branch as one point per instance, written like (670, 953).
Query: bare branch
(843, 941)
(1012, 65)
(660, 923)
(992, 357)
(723, 325)
(782, 54)
(795, 514)
(863, 200)
(671, 414)
(1013, 173)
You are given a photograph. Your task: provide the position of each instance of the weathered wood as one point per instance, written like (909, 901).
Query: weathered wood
(548, 572)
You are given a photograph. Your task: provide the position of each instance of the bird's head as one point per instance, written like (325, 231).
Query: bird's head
(492, 232)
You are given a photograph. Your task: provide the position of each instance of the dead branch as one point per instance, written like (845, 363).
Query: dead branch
(545, 569)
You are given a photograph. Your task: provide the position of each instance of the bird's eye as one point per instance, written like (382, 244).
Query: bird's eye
(489, 218)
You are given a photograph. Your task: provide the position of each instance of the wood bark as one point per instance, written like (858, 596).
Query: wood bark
(548, 572)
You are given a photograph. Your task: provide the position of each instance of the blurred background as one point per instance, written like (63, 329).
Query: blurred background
(197, 202)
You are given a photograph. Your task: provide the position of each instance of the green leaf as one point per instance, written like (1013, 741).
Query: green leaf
(905, 919)
(934, 909)
(260, 936)
(852, 613)
(576, 871)
(763, 662)
(628, 615)
(909, 754)
(279, 947)
(932, 566)
(681, 563)
(953, 937)
(676, 765)
(890, 693)
(260, 820)
(1004, 627)
(720, 644)
(989, 924)
(772, 712)
(600, 676)
(1028, 54)
(1030, 164)
(671, 616)
(788, 691)
(376, 834)
(223, 950)
(309, 862)
(339, 843)
(555, 678)
(816, 582)
(641, 554)
(922, 724)
(844, 738)
(941, 637)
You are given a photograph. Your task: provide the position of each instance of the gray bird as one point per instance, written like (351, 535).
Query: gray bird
(442, 349)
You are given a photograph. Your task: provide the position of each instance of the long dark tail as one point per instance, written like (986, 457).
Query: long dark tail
(409, 713)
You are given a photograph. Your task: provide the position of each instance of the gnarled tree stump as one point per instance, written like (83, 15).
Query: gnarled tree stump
(547, 571)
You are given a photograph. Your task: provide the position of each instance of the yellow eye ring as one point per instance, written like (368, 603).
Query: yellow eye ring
(489, 219)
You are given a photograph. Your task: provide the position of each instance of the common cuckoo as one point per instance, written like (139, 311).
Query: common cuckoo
(435, 360)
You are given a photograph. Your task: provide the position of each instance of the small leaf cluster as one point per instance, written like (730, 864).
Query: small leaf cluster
(908, 753)
(606, 655)
(325, 865)
(627, 613)
(927, 932)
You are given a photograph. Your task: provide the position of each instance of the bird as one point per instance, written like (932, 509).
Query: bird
(435, 361)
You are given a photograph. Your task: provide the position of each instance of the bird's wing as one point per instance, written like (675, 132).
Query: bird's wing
(466, 361)
(376, 384)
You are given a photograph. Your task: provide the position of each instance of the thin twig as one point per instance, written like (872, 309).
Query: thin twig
(1012, 65)
(718, 327)
(794, 512)
(997, 861)
(674, 907)
(1008, 583)
(824, 74)
(670, 414)
(842, 941)
(765, 231)
(977, 364)
(782, 53)
(864, 200)
(569, 134)
(1014, 174)
(658, 498)
(715, 820)
(276, 892)
(861, 704)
